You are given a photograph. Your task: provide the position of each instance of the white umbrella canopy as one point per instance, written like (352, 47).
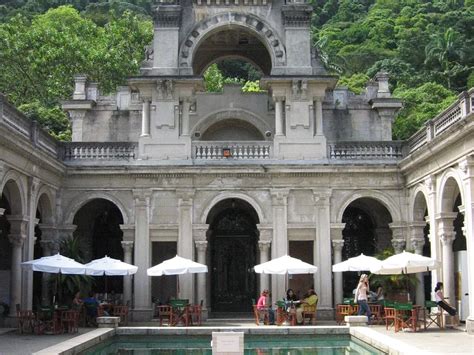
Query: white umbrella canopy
(176, 266)
(55, 264)
(405, 263)
(110, 267)
(285, 265)
(358, 263)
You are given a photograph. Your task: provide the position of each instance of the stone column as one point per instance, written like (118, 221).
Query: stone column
(201, 247)
(185, 116)
(142, 292)
(185, 239)
(264, 246)
(417, 240)
(127, 280)
(278, 115)
(322, 248)
(398, 236)
(145, 117)
(337, 245)
(466, 167)
(430, 183)
(447, 235)
(280, 236)
(319, 115)
(17, 236)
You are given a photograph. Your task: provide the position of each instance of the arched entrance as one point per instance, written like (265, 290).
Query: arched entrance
(366, 231)
(98, 230)
(233, 237)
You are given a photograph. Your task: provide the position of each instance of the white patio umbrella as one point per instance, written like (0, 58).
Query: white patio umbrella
(109, 267)
(285, 265)
(176, 266)
(55, 264)
(357, 263)
(405, 263)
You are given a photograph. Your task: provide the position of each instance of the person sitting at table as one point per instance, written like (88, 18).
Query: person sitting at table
(92, 304)
(440, 300)
(77, 302)
(290, 299)
(263, 303)
(361, 296)
(310, 300)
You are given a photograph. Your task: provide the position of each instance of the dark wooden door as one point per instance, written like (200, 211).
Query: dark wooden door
(233, 281)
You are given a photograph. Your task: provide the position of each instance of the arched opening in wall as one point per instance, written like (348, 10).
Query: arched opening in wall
(99, 234)
(10, 202)
(366, 231)
(232, 130)
(231, 42)
(232, 254)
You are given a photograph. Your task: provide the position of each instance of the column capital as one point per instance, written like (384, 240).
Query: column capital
(278, 98)
(185, 196)
(201, 245)
(264, 245)
(398, 245)
(18, 224)
(336, 230)
(398, 230)
(200, 232)
(321, 196)
(127, 246)
(447, 238)
(279, 196)
(52, 246)
(430, 183)
(128, 232)
(17, 240)
(145, 99)
(65, 230)
(265, 234)
(337, 244)
(417, 245)
(142, 197)
(467, 166)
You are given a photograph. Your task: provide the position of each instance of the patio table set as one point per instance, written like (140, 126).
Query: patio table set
(397, 314)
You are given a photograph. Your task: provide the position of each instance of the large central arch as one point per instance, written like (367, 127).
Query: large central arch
(245, 24)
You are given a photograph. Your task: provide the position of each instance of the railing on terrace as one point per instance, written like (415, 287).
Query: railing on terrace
(436, 126)
(81, 151)
(27, 128)
(208, 150)
(359, 150)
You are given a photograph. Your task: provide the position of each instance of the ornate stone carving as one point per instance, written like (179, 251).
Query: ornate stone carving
(280, 197)
(447, 238)
(17, 240)
(149, 53)
(337, 245)
(296, 15)
(299, 89)
(398, 245)
(264, 245)
(167, 15)
(417, 245)
(165, 89)
(127, 246)
(201, 245)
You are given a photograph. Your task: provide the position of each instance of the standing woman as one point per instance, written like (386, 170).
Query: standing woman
(360, 298)
(439, 297)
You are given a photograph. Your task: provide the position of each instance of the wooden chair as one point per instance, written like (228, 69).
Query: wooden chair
(195, 314)
(343, 310)
(122, 312)
(309, 312)
(376, 310)
(390, 317)
(262, 313)
(433, 315)
(70, 321)
(26, 321)
(165, 312)
(406, 316)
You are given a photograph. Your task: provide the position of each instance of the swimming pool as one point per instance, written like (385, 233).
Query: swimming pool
(254, 344)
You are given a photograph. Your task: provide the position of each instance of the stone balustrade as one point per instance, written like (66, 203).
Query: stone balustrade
(81, 151)
(359, 150)
(460, 109)
(28, 129)
(231, 150)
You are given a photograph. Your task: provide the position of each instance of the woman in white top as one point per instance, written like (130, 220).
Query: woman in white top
(360, 298)
(439, 298)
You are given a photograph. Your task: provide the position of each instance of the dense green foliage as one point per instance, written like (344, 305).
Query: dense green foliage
(426, 46)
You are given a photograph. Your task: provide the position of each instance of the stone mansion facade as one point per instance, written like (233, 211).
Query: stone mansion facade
(234, 179)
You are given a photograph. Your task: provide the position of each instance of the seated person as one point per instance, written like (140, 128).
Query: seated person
(290, 299)
(310, 300)
(263, 303)
(92, 304)
(77, 301)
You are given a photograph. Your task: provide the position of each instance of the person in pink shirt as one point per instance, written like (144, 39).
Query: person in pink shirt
(263, 303)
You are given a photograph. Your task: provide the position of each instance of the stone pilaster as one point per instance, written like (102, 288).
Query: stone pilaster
(319, 115)
(280, 236)
(142, 292)
(264, 246)
(185, 239)
(17, 236)
(322, 248)
(145, 117)
(201, 248)
(279, 115)
(127, 247)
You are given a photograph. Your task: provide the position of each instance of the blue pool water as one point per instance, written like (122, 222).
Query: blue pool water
(254, 345)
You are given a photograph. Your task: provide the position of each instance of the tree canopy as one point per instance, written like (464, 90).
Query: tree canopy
(424, 45)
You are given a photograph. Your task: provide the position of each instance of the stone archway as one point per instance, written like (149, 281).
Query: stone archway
(232, 253)
(229, 24)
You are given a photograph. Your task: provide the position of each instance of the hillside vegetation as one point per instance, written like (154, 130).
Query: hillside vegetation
(426, 46)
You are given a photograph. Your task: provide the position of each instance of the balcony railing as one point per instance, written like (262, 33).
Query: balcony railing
(436, 126)
(208, 150)
(82, 151)
(357, 150)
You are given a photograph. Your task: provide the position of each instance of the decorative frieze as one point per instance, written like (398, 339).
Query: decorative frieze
(296, 15)
(167, 15)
